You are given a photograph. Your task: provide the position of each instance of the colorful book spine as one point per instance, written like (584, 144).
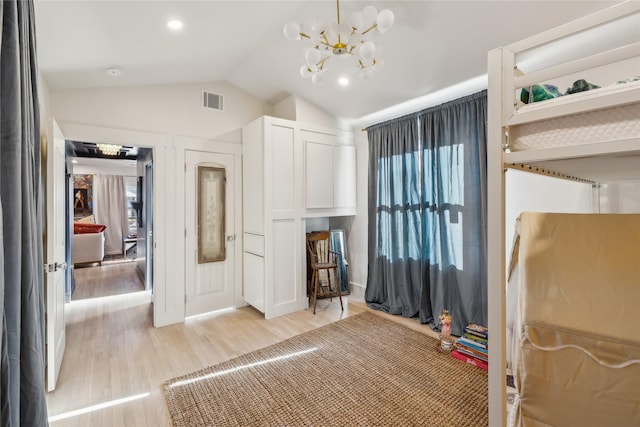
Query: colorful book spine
(482, 336)
(475, 338)
(472, 353)
(472, 344)
(472, 327)
(470, 360)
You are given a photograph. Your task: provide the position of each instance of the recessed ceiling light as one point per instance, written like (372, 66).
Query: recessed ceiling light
(175, 24)
(114, 71)
(343, 81)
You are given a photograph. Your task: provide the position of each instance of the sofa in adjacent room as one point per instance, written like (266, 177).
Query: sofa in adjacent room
(88, 243)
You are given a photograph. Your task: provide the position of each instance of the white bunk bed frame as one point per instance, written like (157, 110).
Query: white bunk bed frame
(603, 161)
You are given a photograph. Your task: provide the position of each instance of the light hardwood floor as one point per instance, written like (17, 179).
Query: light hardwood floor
(113, 352)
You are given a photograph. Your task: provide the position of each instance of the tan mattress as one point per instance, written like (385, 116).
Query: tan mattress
(577, 358)
(610, 124)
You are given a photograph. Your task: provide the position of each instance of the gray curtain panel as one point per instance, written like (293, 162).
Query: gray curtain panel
(22, 358)
(427, 214)
(396, 267)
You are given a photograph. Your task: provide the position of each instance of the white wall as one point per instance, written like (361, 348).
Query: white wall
(529, 192)
(620, 197)
(46, 123)
(105, 167)
(356, 226)
(299, 109)
(165, 109)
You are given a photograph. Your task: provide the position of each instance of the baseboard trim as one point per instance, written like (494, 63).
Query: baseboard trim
(357, 289)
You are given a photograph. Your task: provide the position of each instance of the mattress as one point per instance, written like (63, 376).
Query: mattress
(576, 343)
(609, 124)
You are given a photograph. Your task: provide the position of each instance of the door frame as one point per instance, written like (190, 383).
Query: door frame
(215, 147)
(169, 219)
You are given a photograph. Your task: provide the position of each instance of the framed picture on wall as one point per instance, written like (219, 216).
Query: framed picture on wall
(81, 205)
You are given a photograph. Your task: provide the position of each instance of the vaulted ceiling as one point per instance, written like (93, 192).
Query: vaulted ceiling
(431, 46)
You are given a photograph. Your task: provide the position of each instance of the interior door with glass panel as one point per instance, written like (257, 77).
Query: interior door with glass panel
(210, 239)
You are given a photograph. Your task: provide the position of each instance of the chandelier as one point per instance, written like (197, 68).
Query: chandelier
(351, 40)
(109, 149)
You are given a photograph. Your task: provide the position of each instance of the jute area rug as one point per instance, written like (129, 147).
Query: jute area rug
(364, 370)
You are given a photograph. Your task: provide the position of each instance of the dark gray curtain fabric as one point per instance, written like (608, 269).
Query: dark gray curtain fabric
(22, 395)
(396, 268)
(443, 262)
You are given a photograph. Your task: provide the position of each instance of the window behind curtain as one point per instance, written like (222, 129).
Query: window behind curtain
(427, 198)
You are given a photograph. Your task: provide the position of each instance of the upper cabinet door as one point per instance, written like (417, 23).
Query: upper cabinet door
(319, 174)
(344, 176)
(330, 175)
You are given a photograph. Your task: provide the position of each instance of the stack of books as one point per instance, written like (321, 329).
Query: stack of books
(471, 347)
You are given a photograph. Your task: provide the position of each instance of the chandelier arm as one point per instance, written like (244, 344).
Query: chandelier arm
(326, 40)
(374, 26)
(304, 35)
(320, 64)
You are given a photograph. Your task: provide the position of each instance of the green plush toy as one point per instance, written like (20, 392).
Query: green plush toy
(540, 93)
(580, 86)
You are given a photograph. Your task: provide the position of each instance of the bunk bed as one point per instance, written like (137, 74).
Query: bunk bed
(569, 368)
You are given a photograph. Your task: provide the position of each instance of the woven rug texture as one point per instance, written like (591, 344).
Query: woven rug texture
(364, 370)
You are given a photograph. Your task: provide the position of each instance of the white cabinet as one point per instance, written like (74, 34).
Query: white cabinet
(290, 172)
(330, 174)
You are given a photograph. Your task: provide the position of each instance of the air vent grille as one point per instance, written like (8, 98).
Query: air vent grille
(212, 100)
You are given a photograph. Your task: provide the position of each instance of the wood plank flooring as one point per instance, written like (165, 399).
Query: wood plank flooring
(113, 352)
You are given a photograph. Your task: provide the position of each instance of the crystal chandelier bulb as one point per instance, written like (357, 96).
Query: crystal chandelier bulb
(367, 50)
(305, 71)
(369, 15)
(292, 31)
(366, 74)
(312, 56)
(384, 20)
(356, 20)
(317, 78)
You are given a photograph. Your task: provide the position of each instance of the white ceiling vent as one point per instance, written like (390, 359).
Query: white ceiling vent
(212, 100)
